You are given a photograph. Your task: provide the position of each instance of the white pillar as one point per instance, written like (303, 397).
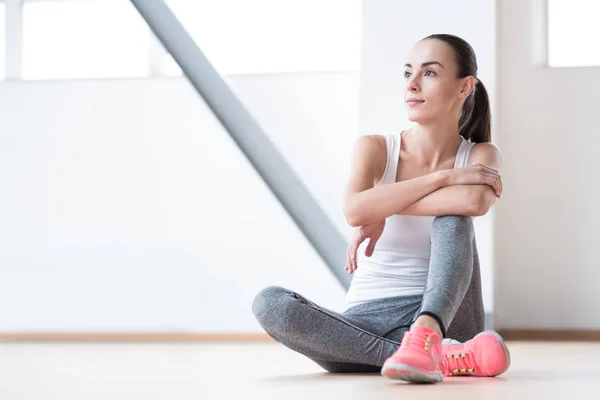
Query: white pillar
(14, 42)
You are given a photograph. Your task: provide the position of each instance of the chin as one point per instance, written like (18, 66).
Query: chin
(419, 117)
(416, 116)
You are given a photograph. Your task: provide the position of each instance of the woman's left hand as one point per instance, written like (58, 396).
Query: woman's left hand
(371, 231)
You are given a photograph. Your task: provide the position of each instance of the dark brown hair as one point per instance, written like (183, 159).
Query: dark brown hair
(475, 120)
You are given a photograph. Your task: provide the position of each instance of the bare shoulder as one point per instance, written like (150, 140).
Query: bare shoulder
(372, 144)
(370, 148)
(369, 155)
(486, 153)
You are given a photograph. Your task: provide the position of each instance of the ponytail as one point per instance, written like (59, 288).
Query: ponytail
(476, 119)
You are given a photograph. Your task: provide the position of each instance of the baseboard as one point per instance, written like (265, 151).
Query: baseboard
(97, 337)
(550, 334)
(91, 337)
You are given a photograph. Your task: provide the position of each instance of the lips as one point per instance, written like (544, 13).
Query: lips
(414, 102)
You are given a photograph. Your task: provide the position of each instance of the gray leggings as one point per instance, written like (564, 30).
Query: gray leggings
(363, 337)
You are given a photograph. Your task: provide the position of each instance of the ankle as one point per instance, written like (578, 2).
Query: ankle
(428, 322)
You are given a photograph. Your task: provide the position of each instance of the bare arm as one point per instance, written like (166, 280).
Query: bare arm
(471, 200)
(365, 204)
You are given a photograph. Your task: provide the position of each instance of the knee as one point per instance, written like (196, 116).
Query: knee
(271, 306)
(264, 302)
(453, 223)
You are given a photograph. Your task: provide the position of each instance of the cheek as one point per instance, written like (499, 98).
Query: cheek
(440, 97)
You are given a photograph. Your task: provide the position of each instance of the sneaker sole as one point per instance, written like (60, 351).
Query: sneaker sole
(501, 340)
(407, 373)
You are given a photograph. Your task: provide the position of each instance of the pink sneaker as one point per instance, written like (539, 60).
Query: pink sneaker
(418, 359)
(484, 355)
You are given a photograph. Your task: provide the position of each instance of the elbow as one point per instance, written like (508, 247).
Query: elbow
(353, 217)
(353, 214)
(479, 208)
(482, 202)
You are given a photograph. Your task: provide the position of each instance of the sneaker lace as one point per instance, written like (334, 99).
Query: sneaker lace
(417, 339)
(459, 363)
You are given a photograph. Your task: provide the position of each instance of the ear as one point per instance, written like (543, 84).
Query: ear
(467, 86)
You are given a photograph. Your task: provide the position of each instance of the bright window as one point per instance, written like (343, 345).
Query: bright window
(270, 36)
(65, 39)
(2, 39)
(573, 32)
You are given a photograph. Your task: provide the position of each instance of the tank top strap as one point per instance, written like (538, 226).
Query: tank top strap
(462, 155)
(392, 142)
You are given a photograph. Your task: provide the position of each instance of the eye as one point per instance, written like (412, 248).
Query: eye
(430, 72)
(406, 74)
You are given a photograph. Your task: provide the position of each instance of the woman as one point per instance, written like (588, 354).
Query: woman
(413, 195)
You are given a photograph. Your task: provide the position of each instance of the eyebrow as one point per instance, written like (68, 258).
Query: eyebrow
(425, 64)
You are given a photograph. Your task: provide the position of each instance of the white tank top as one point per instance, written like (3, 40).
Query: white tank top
(399, 264)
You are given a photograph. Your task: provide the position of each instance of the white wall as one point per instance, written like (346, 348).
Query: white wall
(390, 29)
(547, 273)
(126, 207)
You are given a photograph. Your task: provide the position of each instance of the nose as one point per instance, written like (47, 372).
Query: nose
(412, 85)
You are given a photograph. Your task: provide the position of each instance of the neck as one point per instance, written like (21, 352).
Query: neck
(435, 143)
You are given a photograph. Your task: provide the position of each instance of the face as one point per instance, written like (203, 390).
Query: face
(433, 90)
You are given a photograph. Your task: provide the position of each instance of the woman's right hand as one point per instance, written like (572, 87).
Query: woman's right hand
(477, 174)
(373, 233)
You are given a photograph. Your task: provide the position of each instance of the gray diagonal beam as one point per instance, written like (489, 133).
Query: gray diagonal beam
(248, 135)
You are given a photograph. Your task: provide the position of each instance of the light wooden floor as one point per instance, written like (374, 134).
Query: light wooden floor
(269, 371)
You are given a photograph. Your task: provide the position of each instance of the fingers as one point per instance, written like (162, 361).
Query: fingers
(353, 251)
(370, 247)
(498, 180)
(501, 186)
(347, 267)
(358, 238)
(494, 181)
(349, 256)
(493, 174)
(486, 167)
(491, 181)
